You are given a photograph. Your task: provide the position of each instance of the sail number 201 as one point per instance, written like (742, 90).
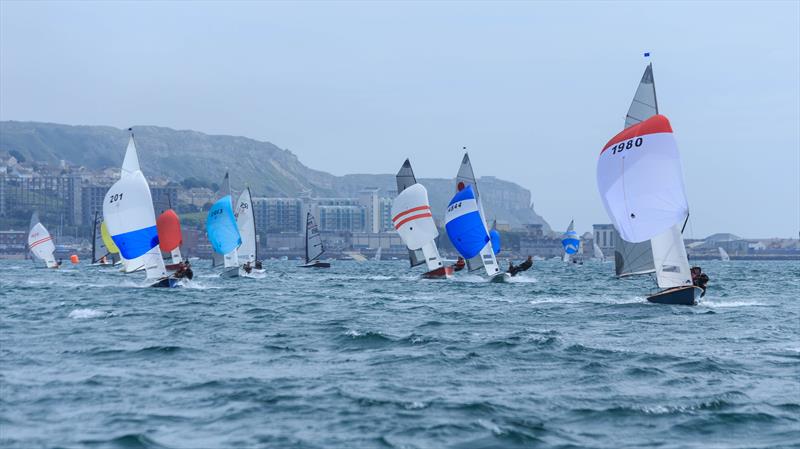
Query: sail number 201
(115, 197)
(626, 145)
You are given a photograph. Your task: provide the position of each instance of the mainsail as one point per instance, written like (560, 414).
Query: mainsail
(314, 248)
(169, 234)
(637, 258)
(641, 184)
(99, 249)
(570, 240)
(598, 253)
(723, 255)
(485, 257)
(130, 165)
(131, 221)
(247, 228)
(40, 243)
(223, 233)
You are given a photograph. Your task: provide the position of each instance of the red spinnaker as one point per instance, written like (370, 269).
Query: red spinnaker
(169, 230)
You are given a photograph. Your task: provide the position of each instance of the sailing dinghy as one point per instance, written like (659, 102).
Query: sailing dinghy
(223, 233)
(314, 248)
(723, 255)
(170, 237)
(412, 218)
(466, 227)
(248, 250)
(641, 183)
(130, 165)
(101, 254)
(40, 244)
(598, 253)
(570, 242)
(131, 220)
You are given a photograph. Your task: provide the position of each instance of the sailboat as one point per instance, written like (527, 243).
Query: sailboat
(412, 218)
(101, 255)
(314, 248)
(723, 255)
(170, 237)
(130, 165)
(223, 233)
(570, 241)
(40, 244)
(598, 253)
(378, 252)
(466, 227)
(108, 242)
(131, 220)
(245, 220)
(640, 180)
(217, 260)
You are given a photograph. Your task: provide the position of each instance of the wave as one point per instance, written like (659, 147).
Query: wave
(127, 441)
(85, 314)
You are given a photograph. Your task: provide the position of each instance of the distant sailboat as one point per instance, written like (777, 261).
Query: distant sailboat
(170, 237)
(101, 255)
(570, 241)
(412, 218)
(245, 220)
(466, 227)
(723, 255)
(131, 220)
(314, 248)
(223, 233)
(40, 244)
(109, 244)
(598, 253)
(641, 183)
(377, 257)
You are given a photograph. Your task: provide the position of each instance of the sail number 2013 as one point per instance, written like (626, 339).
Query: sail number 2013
(115, 197)
(626, 145)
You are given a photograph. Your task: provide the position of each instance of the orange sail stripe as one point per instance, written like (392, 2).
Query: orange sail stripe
(40, 241)
(654, 125)
(408, 211)
(411, 218)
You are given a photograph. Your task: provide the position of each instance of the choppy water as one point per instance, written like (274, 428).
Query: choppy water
(367, 355)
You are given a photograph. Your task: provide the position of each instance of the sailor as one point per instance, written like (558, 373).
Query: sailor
(258, 265)
(459, 264)
(103, 260)
(512, 270)
(524, 266)
(699, 279)
(247, 268)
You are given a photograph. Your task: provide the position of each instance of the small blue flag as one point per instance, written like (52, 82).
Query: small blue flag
(647, 54)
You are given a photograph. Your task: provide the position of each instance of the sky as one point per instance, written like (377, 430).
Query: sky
(532, 89)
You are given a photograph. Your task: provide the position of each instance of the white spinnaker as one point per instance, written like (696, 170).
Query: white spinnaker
(486, 258)
(642, 187)
(41, 245)
(411, 216)
(132, 210)
(247, 229)
(672, 263)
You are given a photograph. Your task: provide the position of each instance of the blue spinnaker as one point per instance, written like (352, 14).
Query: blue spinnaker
(464, 224)
(223, 233)
(136, 243)
(570, 242)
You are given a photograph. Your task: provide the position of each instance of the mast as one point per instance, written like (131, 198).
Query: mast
(253, 212)
(94, 238)
(308, 219)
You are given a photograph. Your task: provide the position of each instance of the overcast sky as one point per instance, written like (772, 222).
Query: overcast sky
(534, 90)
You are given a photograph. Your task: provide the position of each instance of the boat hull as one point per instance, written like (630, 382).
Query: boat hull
(500, 278)
(316, 264)
(167, 282)
(439, 273)
(682, 296)
(231, 272)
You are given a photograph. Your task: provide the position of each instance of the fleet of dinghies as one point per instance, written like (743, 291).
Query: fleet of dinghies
(639, 178)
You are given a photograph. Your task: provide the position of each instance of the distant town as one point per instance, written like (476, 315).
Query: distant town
(69, 200)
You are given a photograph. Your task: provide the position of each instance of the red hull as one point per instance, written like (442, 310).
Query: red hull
(439, 273)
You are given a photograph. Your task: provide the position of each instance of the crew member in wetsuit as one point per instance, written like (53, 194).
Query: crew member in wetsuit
(258, 265)
(459, 264)
(525, 266)
(699, 279)
(512, 270)
(247, 268)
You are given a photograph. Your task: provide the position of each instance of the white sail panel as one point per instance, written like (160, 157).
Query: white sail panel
(466, 176)
(640, 180)
(669, 254)
(40, 243)
(411, 216)
(247, 228)
(130, 164)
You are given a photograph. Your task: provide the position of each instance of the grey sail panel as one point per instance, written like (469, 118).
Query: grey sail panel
(99, 249)
(644, 104)
(34, 220)
(416, 257)
(633, 258)
(314, 247)
(466, 176)
(405, 177)
(475, 264)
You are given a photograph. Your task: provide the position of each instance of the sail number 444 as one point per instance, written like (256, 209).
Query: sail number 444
(626, 145)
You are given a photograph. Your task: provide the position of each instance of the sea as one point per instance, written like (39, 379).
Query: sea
(368, 355)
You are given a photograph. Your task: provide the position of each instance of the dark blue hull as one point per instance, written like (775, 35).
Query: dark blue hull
(682, 296)
(166, 283)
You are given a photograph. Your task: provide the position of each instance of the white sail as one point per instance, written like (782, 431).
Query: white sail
(176, 255)
(130, 164)
(131, 221)
(672, 263)
(378, 253)
(40, 243)
(412, 218)
(723, 255)
(598, 253)
(486, 258)
(247, 228)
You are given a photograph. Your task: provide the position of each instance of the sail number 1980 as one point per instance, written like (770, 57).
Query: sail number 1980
(626, 145)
